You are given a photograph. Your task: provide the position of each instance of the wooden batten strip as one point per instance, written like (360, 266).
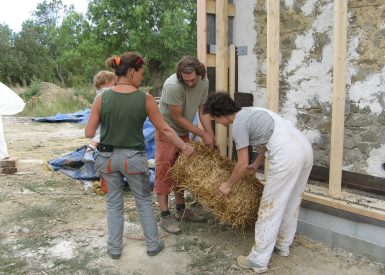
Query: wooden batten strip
(338, 100)
(362, 210)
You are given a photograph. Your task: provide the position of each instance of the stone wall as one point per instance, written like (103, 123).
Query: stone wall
(306, 69)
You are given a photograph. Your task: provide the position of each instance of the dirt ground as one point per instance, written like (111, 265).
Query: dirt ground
(49, 224)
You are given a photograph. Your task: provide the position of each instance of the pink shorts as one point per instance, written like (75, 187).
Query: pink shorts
(166, 154)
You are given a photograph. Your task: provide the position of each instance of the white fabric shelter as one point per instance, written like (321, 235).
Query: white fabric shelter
(10, 104)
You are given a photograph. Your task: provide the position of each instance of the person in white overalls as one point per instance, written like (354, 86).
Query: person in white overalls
(290, 159)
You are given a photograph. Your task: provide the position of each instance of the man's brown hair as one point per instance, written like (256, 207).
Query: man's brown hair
(189, 64)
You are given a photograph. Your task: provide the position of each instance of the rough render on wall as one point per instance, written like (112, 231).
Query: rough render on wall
(306, 68)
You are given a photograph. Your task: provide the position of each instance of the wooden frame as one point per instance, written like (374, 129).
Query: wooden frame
(339, 91)
(272, 81)
(333, 197)
(221, 62)
(232, 57)
(201, 31)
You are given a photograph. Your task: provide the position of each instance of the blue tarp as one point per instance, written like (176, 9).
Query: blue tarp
(71, 164)
(78, 117)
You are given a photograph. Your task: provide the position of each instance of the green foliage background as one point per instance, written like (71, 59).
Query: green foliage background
(59, 45)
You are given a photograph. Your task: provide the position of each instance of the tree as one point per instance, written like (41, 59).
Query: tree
(161, 30)
(33, 59)
(47, 19)
(82, 55)
(8, 59)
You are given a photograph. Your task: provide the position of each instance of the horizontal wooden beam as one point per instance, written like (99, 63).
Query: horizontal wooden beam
(340, 203)
(210, 8)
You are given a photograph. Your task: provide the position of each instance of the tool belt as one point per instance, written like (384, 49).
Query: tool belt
(105, 148)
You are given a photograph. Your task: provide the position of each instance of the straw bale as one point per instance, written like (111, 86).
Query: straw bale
(203, 173)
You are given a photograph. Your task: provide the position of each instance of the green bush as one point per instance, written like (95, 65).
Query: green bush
(85, 91)
(33, 90)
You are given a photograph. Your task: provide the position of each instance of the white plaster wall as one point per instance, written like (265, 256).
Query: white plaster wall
(309, 79)
(246, 35)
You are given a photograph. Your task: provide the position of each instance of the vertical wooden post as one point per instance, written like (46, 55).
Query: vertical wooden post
(231, 92)
(272, 81)
(273, 54)
(202, 35)
(202, 31)
(221, 60)
(338, 100)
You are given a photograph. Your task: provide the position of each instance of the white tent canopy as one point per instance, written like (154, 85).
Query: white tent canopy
(10, 104)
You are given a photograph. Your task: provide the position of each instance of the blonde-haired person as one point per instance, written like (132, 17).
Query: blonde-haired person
(122, 111)
(102, 81)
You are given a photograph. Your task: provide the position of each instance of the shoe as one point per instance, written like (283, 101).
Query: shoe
(156, 251)
(282, 253)
(88, 156)
(188, 215)
(114, 256)
(245, 262)
(170, 225)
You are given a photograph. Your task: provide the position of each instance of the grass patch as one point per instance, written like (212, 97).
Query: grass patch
(40, 186)
(34, 242)
(11, 265)
(39, 218)
(46, 99)
(39, 213)
(50, 183)
(78, 264)
(32, 186)
(205, 257)
(185, 245)
(63, 104)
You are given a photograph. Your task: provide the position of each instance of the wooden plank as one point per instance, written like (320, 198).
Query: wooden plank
(221, 61)
(211, 8)
(201, 31)
(338, 100)
(231, 92)
(201, 36)
(272, 80)
(273, 54)
(366, 211)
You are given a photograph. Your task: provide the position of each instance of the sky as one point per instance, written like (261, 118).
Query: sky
(15, 12)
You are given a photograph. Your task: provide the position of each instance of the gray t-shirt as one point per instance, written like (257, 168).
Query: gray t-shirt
(174, 92)
(252, 127)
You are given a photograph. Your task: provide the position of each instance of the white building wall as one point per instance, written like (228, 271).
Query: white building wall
(246, 35)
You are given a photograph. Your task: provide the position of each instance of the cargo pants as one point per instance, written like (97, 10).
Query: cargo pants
(113, 168)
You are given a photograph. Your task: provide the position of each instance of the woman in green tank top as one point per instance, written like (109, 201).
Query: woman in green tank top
(121, 111)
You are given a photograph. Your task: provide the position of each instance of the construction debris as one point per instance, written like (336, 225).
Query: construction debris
(8, 166)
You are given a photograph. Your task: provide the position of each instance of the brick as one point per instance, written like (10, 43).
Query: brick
(8, 162)
(8, 170)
